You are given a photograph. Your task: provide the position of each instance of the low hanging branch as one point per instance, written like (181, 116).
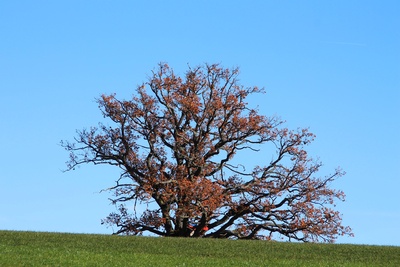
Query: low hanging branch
(175, 142)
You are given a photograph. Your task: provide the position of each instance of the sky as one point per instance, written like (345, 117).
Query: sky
(332, 66)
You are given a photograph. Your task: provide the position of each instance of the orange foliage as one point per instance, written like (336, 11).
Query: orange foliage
(175, 142)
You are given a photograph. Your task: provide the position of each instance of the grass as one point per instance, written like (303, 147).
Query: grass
(60, 249)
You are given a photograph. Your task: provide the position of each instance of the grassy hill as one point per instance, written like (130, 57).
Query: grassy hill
(59, 249)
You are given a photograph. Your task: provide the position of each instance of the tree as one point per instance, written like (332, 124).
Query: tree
(176, 142)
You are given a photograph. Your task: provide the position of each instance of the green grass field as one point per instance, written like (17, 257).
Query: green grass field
(58, 249)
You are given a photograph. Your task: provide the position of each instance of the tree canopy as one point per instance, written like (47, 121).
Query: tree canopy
(176, 142)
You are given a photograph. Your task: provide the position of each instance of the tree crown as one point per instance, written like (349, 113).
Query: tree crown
(175, 142)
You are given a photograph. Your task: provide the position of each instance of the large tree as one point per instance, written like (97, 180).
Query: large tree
(177, 143)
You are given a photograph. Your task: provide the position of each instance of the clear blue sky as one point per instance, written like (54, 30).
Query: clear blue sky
(333, 66)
